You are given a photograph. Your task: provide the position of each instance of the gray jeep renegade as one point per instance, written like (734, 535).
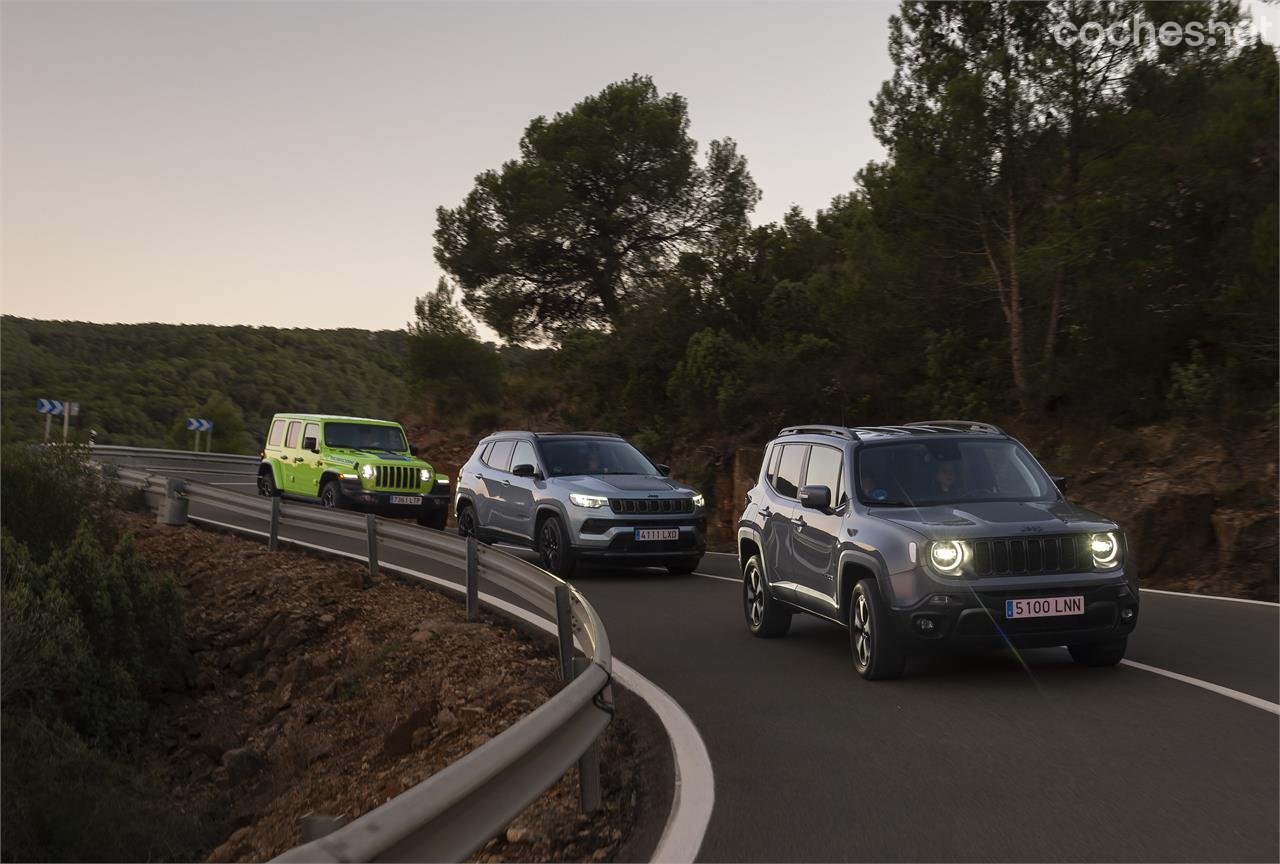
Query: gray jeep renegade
(580, 496)
(946, 532)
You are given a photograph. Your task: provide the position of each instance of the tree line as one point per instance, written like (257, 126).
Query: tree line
(1056, 231)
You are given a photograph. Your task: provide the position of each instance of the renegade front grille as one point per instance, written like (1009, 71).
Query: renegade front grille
(651, 505)
(1015, 556)
(396, 477)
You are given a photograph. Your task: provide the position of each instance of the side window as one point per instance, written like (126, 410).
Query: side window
(295, 432)
(771, 473)
(789, 467)
(523, 455)
(277, 434)
(824, 470)
(500, 455)
(484, 451)
(312, 431)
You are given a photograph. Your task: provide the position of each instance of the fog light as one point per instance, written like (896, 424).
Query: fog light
(1126, 614)
(925, 626)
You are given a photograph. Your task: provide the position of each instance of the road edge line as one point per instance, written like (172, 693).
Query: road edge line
(1247, 699)
(1208, 596)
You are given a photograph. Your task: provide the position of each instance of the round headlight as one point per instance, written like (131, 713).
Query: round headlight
(424, 475)
(946, 555)
(1105, 549)
(368, 471)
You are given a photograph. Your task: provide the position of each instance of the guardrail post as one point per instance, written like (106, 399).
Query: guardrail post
(373, 544)
(473, 578)
(273, 538)
(564, 629)
(173, 510)
(589, 794)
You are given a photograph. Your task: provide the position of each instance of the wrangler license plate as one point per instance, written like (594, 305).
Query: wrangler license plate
(406, 499)
(657, 533)
(1044, 607)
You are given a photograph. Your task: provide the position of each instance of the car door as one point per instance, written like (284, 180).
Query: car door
(274, 451)
(816, 533)
(785, 472)
(489, 485)
(290, 457)
(307, 471)
(517, 493)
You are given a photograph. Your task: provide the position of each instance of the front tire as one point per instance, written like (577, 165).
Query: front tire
(331, 496)
(466, 520)
(1099, 653)
(766, 617)
(553, 544)
(877, 653)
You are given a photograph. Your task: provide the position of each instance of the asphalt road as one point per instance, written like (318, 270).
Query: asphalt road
(968, 757)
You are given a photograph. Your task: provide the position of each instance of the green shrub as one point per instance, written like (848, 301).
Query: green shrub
(47, 493)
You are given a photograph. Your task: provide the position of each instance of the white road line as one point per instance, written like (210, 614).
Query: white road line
(713, 576)
(1208, 597)
(231, 483)
(725, 554)
(695, 788)
(695, 791)
(1212, 688)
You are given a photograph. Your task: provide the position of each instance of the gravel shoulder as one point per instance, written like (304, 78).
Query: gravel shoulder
(309, 688)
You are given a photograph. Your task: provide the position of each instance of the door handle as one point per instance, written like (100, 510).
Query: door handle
(799, 523)
(298, 459)
(766, 512)
(478, 476)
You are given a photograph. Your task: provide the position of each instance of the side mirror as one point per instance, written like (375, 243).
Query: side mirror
(1060, 482)
(664, 470)
(413, 449)
(815, 497)
(524, 469)
(310, 444)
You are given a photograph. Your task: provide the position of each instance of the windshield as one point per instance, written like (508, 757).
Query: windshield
(362, 436)
(920, 473)
(569, 456)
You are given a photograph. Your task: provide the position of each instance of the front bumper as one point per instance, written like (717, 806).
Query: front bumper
(977, 617)
(613, 539)
(377, 501)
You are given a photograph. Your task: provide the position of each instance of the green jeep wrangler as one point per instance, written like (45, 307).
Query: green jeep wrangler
(351, 463)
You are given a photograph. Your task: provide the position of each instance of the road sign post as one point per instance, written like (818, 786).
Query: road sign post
(51, 408)
(198, 425)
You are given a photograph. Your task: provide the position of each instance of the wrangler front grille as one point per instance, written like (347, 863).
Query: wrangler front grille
(396, 477)
(1015, 556)
(651, 505)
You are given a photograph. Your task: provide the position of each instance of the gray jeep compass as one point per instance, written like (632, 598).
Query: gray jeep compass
(580, 496)
(946, 532)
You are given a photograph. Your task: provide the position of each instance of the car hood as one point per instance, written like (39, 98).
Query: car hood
(621, 485)
(348, 455)
(976, 519)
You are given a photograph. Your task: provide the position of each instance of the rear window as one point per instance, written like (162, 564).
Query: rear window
(277, 434)
(295, 430)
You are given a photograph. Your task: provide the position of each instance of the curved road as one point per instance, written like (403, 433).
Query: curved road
(968, 757)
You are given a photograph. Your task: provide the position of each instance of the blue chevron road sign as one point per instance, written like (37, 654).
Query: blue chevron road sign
(51, 406)
(199, 424)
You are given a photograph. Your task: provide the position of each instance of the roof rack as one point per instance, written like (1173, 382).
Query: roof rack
(959, 426)
(596, 434)
(837, 431)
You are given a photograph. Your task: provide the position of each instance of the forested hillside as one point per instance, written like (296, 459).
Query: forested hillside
(136, 382)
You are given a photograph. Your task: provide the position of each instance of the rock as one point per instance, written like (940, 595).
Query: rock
(421, 737)
(241, 764)
(519, 835)
(446, 720)
(400, 740)
(423, 636)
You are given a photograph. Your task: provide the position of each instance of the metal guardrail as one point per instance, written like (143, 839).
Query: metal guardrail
(452, 813)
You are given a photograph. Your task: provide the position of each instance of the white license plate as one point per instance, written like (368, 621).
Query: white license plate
(406, 499)
(657, 533)
(1044, 607)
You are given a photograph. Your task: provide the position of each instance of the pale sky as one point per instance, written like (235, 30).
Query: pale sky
(280, 163)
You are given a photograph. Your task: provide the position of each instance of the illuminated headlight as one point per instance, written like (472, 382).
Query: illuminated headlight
(424, 475)
(588, 500)
(1105, 549)
(698, 500)
(946, 556)
(367, 471)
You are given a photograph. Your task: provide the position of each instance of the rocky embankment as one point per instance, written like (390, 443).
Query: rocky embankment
(310, 689)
